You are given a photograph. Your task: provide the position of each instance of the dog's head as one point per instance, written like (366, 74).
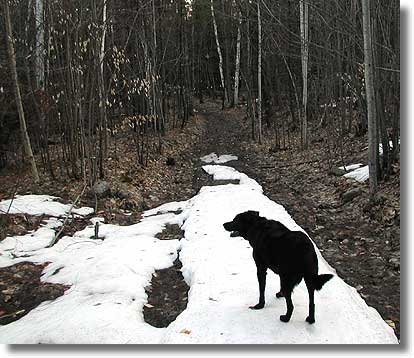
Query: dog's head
(241, 223)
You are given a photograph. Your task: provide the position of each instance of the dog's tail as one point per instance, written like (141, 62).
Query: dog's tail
(320, 280)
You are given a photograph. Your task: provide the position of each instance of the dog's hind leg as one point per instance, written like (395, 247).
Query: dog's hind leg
(287, 285)
(289, 307)
(311, 291)
(279, 294)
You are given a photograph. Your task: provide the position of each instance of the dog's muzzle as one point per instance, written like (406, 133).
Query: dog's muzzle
(229, 227)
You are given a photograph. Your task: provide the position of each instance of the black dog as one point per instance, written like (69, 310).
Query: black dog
(290, 254)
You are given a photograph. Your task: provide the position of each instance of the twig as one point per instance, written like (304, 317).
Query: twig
(53, 241)
(13, 197)
(288, 165)
(14, 314)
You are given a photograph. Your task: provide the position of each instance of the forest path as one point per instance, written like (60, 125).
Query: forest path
(220, 271)
(365, 250)
(223, 135)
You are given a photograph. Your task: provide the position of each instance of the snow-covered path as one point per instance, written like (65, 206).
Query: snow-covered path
(108, 277)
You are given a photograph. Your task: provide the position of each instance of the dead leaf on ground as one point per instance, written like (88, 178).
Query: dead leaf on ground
(390, 323)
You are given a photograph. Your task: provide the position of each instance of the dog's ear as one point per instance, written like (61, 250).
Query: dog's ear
(252, 212)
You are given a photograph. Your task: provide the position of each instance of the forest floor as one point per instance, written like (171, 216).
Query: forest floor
(360, 240)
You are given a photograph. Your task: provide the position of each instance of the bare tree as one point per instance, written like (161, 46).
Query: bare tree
(18, 98)
(304, 34)
(93, 66)
(40, 52)
(237, 70)
(370, 95)
(259, 73)
(218, 51)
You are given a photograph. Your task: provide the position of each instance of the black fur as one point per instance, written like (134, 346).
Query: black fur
(290, 254)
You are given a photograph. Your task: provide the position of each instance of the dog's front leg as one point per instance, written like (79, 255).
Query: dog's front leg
(289, 307)
(261, 277)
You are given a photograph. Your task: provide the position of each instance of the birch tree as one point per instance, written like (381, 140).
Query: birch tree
(16, 86)
(40, 45)
(259, 73)
(237, 70)
(304, 35)
(218, 51)
(370, 96)
(248, 79)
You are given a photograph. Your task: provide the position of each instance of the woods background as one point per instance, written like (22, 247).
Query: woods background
(91, 71)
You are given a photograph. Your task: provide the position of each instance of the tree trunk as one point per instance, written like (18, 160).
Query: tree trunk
(19, 104)
(370, 95)
(259, 73)
(304, 21)
(40, 45)
(237, 70)
(219, 52)
(249, 80)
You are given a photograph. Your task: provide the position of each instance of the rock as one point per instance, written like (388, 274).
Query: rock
(337, 171)
(388, 215)
(126, 178)
(154, 198)
(123, 194)
(351, 194)
(128, 206)
(102, 188)
(359, 288)
(132, 199)
(367, 240)
(274, 149)
(395, 263)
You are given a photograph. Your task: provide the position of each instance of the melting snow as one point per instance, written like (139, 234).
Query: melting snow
(361, 174)
(213, 158)
(351, 167)
(38, 205)
(108, 279)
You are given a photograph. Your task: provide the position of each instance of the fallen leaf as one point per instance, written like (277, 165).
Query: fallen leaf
(148, 305)
(185, 331)
(390, 323)
(8, 291)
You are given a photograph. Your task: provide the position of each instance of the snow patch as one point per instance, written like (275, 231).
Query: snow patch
(213, 158)
(221, 172)
(350, 167)
(15, 249)
(361, 174)
(39, 205)
(108, 279)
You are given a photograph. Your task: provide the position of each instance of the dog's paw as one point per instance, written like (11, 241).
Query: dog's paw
(310, 320)
(284, 318)
(259, 306)
(279, 294)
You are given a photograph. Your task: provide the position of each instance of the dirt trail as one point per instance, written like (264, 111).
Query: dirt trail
(354, 239)
(364, 250)
(167, 294)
